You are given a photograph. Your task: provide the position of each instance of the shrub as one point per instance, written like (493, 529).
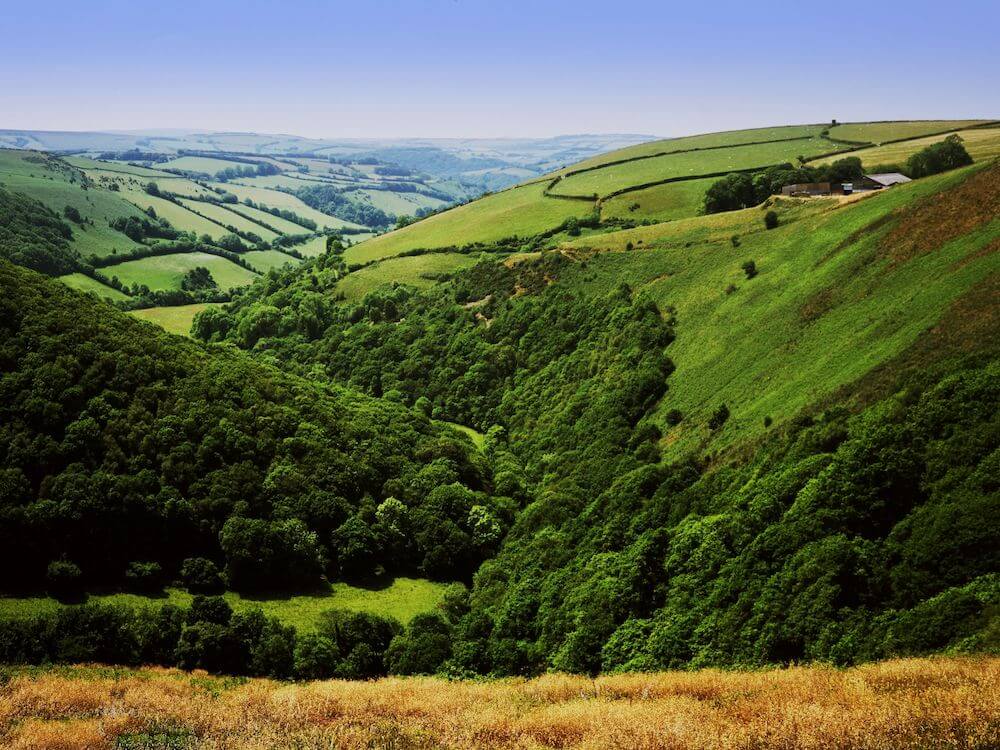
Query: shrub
(144, 576)
(719, 417)
(770, 220)
(939, 157)
(750, 269)
(64, 579)
(674, 417)
(202, 576)
(72, 214)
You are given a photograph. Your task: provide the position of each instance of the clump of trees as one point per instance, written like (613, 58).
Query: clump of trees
(197, 279)
(32, 235)
(746, 189)
(938, 157)
(337, 202)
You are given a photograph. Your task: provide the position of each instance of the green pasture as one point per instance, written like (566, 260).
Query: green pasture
(413, 270)
(673, 200)
(178, 216)
(83, 283)
(265, 260)
(518, 212)
(263, 217)
(202, 164)
(402, 598)
(119, 167)
(278, 199)
(398, 204)
(176, 319)
(879, 132)
(982, 144)
(229, 218)
(166, 271)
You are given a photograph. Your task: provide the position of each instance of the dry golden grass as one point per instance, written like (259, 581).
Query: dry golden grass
(911, 703)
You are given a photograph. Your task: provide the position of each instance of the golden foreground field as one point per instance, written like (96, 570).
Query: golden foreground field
(911, 703)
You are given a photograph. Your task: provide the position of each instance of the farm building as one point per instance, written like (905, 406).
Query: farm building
(879, 181)
(816, 188)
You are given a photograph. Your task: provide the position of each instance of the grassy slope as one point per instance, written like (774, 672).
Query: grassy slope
(982, 144)
(255, 214)
(402, 599)
(880, 132)
(407, 270)
(893, 705)
(203, 164)
(822, 312)
(172, 319)
(400, 204)
(178, 216)
(265, 260)
(57, 186)
(166, 271)
(277, 199)
(229, 218)
(618, 176)
(675, 200)
(521, 211)
(86, 284)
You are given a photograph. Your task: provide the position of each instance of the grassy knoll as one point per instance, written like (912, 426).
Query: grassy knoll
(175, 319)
(415, 270)
(880, 132)
(178, 216)
(166, 271)
(892, 705)
(982, 145)
(256, 215)
(229, 218)
(265, 260)
(674, 200)
(822, 311)
(617, 176)
(518, 212)
(706, 140)
(278, 199)
(86, 284)
(402, 599)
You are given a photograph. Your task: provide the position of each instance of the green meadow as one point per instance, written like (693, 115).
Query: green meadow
(83, 283)
(517, 212)
(202, 164)
(263, 217)
(982, 144)
(880, 132)
(674, 200)
(402, 598)
(415, 270)
(265, 260)
(228, 218)
(692, 163)
(178, 216)
(277, 199)
(175, 319)
(399, 204)
(166, 271)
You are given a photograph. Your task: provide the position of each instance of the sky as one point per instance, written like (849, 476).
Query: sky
(491, 68)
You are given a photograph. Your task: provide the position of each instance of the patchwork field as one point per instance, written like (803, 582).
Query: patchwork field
(414, 270)
(893, 705)
(803, 326)
(880, 132)
(263, 217)
(166, 271)
(277, 199)
(229, 218)
(313, 247)
(117, 167)
(202, 165)
(673, 200)
(83, 283)
(265, 260)
(178, 216)
(982, 144)
(401, 599)
(172, 319)
(618, 176)
(521, 212)
(398, 204)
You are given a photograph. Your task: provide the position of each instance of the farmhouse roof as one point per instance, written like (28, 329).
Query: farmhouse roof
(888, 178)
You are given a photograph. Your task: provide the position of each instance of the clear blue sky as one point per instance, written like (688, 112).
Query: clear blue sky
(491, 67)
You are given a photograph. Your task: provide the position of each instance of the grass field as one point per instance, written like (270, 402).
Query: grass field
(706, 140)
(951, 702)
(119, 167)
(675, 200)
(173, 319)
(313, 247)
(288, 181)
(86, 284)
(255, 214)
(982, 145)
(880, 132)
(178, 216)
(399, 204)
(166, 271)
(821, 312)
(615, 177)
(57, 185)
(402, 599)
(265, 260)
(202, 164)
(224, 216)
(410, 270)
(521, 212)
(277, 199)
(478, 439)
